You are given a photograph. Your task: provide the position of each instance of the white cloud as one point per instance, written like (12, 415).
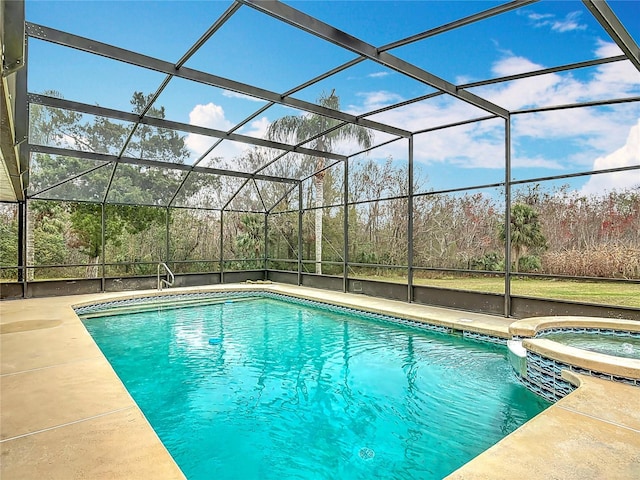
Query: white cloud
(378, 74)
(468, 146)
(542, 90)
(464, 79)
(564, 124)
(511, 65)
(374, 100)
(619, 76)
(534, 162)
(627, 155)
(569, 23)
(472, 145)
(548, 20)
(595, 128)
(258, 128)
(210, 116)
(591, 131)
(539, 16)
(606, 49)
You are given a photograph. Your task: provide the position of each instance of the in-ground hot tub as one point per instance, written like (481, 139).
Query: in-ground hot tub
(609, 342)
(542, 347)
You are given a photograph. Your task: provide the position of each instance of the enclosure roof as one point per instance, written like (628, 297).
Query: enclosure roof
(169, 103)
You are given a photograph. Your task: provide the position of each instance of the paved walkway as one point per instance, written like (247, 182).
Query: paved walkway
(66, 415)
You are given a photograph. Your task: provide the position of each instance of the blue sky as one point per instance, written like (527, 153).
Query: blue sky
(254, 48)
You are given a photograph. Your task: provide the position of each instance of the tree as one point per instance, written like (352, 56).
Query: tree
(526, 232)
(324, 134)
(8, 240)
(250, 239)
(133, 185)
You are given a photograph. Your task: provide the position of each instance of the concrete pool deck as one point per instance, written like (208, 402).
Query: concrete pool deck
(64, 413)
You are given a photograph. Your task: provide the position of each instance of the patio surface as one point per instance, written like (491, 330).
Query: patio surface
(64, 413)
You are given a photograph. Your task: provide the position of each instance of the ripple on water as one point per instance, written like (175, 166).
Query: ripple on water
(608, 344)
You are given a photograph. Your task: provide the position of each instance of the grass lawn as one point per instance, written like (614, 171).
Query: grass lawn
(605, 293)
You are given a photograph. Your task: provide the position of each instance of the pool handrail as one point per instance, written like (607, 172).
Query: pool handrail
(170, 277)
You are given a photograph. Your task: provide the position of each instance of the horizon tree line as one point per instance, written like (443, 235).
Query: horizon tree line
(458, 231)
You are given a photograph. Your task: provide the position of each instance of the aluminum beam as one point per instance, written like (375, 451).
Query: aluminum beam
(13, 49)
(14, 173)
(326, 74)
(507, 218)
(491, 12)
(545, 71)
(228, 13)
(21, 114)
(68, 179)
(281, 198)
(410, 197)
(562, 68)
(331, 34)
(595, 103)
(456, 124)
(239, 189)
(11, 187)
(629, 168)
(345, 228)
(404, 104)
(12, 92)
(194, 48)
(609, 21)
(157, 122)
(115, 53)
(171, 125)
(22, 245)
(212, 147)
(103, 157)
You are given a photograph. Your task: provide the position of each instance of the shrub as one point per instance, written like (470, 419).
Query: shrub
(492, 262)
(529, 263)
(601, 261)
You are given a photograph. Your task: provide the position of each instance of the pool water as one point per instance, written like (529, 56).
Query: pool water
(286, 391)
(609, 344)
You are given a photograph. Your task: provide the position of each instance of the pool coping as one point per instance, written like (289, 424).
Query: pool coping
(65, 414)
(530, 327)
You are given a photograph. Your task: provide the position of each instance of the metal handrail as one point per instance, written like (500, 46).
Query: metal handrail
(170, 277)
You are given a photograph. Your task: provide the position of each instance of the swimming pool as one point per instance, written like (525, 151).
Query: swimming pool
(292, 391)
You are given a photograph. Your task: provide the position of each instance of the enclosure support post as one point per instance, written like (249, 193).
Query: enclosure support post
(103, 227)
(299, 233)
(266, 237)
(507, 217)
(22, 240)
(221, 246)
(168, 238)
(410, 224)
(345, 226)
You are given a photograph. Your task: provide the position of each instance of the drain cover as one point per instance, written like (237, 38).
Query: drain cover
(366, 453)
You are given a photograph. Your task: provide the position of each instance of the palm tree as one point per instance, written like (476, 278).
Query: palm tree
(526, 232)
(303, 127)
